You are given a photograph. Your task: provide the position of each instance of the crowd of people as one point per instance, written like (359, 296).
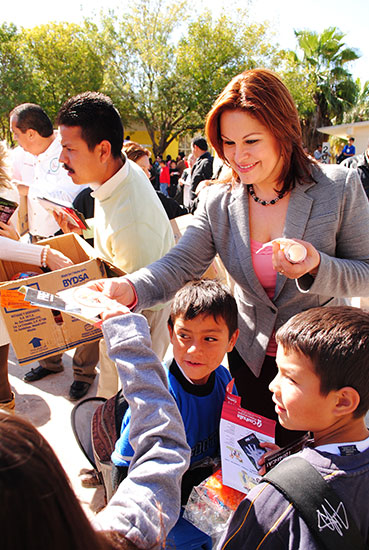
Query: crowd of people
(296, 350)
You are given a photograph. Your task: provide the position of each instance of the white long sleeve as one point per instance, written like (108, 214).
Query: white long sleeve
(17, 251)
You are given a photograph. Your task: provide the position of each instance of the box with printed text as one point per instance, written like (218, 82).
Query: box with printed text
(36, 333)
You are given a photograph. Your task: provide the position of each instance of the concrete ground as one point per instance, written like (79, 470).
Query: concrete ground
(46, 405)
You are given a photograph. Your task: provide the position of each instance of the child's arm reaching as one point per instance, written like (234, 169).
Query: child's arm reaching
(147, 503)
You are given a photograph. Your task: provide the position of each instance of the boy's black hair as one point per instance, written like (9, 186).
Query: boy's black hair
(32, 116)
(205, 297)
(98, 118)
(336, 340)
(201, 143)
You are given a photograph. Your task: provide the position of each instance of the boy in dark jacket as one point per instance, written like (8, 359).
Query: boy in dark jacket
(321, 386)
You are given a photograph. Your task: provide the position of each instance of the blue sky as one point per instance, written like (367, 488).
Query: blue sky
(350, 16)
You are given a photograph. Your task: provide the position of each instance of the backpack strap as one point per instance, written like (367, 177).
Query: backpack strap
(317, 503)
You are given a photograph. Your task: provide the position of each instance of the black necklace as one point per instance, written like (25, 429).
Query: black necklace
(250, 188)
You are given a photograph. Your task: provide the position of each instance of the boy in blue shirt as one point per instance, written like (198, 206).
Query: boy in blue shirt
(349, 149)
(203, 327)
(321, 386)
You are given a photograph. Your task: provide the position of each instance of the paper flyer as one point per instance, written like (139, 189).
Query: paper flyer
(72, 215)
(80, 302)
(241, 431)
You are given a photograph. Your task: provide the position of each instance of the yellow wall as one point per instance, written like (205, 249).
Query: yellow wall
(143, 138)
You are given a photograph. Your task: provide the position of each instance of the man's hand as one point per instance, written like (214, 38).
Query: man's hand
(21, 187)
(66, 226)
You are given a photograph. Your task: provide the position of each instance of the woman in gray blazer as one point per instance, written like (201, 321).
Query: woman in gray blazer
(276, 191)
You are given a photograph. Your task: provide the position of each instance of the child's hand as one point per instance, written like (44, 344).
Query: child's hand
(113, 310)
(271, 448)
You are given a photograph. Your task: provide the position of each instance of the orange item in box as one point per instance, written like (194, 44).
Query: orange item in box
(228, 496)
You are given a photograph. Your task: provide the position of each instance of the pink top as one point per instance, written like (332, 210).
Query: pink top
(267, 276)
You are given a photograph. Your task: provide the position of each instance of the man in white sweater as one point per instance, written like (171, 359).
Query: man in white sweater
(131, 228)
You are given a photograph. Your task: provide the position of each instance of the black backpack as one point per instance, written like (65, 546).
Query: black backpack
(315, 500)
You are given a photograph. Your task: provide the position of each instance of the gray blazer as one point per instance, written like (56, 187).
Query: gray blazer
(332, 214)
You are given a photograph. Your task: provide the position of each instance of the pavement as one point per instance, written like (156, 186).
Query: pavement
(45, 403)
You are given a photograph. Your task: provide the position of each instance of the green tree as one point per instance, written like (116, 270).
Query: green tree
(166, 72)
(64, 61)
(211, 53)
(360, 110)
(323, 65)
(15, 79)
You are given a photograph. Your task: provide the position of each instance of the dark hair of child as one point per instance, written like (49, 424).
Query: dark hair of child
(205, 297)
(38, 508)
(336, 340)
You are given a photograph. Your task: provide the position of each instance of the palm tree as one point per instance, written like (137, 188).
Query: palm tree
(325, 57)
(360, 111)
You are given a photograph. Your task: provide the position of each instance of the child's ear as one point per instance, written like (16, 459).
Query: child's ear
(170, 330)
(233, 340)
(347, 401)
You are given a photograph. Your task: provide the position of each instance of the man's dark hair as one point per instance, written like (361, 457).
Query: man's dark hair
(201, 143)
(336, 340)
(31, 116)
(98, 119)
(205, 297)
(351, 138)
(181, 155)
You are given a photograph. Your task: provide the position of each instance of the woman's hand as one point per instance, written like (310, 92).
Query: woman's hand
(116, 288)
(294, 271)
(56, 260)
(8, 230)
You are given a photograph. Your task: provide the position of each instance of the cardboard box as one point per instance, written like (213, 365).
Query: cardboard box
(37, 333)
(216, 270)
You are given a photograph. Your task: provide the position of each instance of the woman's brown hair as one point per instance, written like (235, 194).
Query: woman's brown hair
(262, 94)
(134, 151)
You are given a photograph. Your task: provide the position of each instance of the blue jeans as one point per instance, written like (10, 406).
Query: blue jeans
(164, 189)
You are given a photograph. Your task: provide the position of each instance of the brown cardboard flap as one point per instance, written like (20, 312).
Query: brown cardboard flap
(72, 246)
